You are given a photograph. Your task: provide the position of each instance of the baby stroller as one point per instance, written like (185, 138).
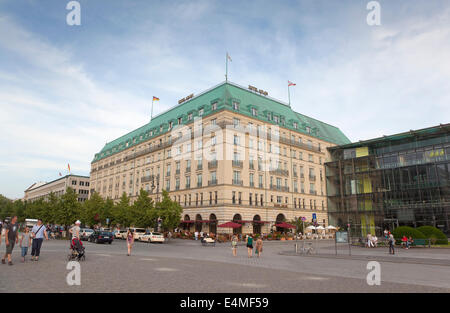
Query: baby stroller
(77, 250)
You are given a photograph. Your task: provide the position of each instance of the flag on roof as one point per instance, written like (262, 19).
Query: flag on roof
(155, 98)
(229, 58)
(68, 166)
(291, 83)
(60, 174)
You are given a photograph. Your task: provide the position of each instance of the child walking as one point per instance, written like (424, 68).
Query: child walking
(25, 242)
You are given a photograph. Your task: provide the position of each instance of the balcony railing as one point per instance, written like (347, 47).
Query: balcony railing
(188, 169)
(199, 167)
(212, 164)
(212, 182)
(279, 171)
(312, 177)
(237, 182)
(279, 188)
(177, 172)
(237, 163)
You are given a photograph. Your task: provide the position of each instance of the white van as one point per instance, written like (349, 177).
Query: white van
(137, 232)
(30, 222)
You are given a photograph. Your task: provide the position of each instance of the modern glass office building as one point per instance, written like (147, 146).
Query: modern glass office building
(396, 180)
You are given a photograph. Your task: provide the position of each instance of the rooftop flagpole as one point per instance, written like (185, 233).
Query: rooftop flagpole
(151, 114)
(226, 66)
(153, 100)
(289, 93)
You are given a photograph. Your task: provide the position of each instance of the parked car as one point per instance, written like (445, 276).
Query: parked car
(137, 232)
(85, 233)
(99, 236)
(152, 237)
(120, 234)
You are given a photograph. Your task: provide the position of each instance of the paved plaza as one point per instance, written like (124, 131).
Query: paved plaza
(187, 266)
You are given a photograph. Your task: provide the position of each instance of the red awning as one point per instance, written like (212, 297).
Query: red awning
(285, 225)
(260, 222)
(242, 222)
(204, 221)
(230, 225)
(186, 222)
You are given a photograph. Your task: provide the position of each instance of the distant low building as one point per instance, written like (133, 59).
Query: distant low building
(42, 190)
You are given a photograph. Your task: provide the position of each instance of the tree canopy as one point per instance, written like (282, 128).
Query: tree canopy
(65, 210)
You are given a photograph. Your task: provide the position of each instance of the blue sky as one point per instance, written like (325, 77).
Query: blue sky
(67, 90)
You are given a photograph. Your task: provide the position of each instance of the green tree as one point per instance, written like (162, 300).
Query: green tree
(142, 211)
(169, 211)
(92, 210)
(5, 207)
(69, 209)
(19, 210)
(121, 214)
(108, 210)
(53, 205)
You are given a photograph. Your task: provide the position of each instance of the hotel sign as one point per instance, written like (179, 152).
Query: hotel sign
(186, 98)
(263, 92)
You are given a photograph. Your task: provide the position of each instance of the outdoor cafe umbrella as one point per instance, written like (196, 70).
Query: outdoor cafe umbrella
(331, 227)
(310, 227)
(230, 225)
(285, 225)
(320, 228)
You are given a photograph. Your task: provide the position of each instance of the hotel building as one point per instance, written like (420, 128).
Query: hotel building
(228, 154)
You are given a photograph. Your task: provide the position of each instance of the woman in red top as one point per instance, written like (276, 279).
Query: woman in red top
(405, 242)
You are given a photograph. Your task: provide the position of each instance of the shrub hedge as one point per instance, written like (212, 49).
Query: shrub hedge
(407, 231)
(432, 232)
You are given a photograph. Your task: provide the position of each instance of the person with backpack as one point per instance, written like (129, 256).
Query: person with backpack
(38, 232)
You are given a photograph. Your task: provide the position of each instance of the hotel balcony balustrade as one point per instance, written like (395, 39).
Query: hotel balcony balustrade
(279, 188)
(237, 182)
(279, 172)
(237, 163)
(212, 164)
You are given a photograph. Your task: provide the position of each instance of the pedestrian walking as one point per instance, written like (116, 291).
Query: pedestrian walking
(258, 246)
(11, 238)
(38, 232)
(234, 242)
(130, 241)
(391, 244)
(249, 245)
(1, 228)
(25, 242)
(196, 235)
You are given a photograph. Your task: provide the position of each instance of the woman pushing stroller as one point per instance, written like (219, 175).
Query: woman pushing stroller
(76, 245)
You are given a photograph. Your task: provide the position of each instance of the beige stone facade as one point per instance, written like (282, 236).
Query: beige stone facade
(285, 180)
(42, 190)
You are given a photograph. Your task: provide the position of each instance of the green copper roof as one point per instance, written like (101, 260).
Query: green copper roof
(224, 94)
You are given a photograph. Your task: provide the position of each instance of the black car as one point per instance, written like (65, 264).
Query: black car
(101, 237)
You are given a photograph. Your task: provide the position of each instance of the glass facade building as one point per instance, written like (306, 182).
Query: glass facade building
(403, 179)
